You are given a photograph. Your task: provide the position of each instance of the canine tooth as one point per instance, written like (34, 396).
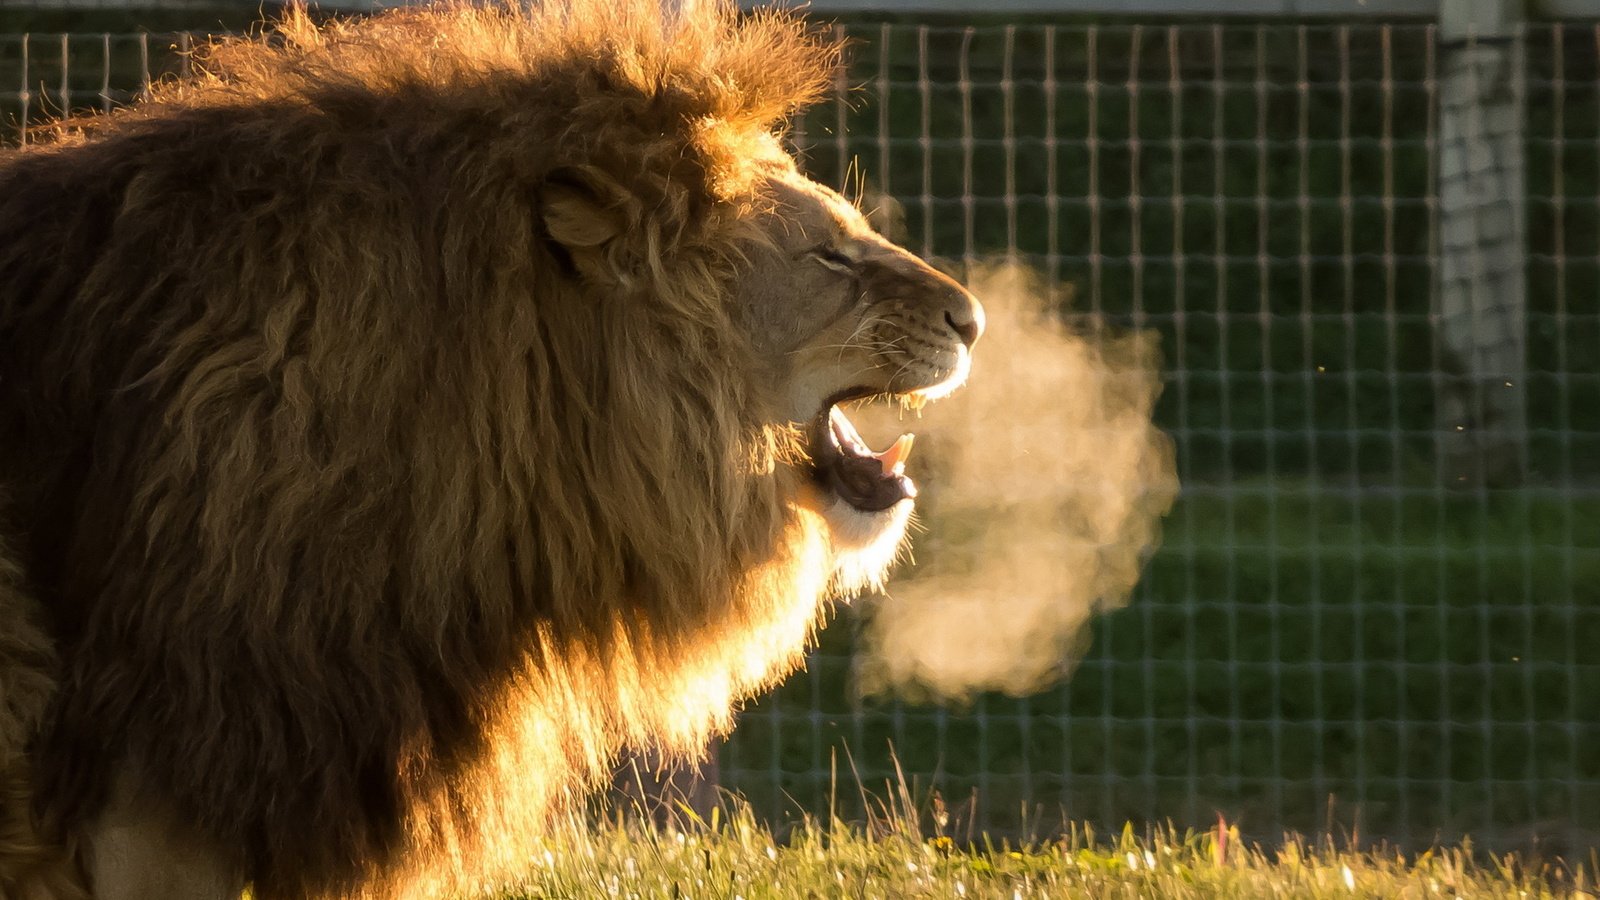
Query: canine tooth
(893, 459)
(846, 430)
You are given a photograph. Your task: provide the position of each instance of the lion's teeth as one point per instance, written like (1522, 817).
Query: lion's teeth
(893, 459)
(845, 430)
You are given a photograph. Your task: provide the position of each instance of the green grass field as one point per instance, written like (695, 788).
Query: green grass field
(734, 857)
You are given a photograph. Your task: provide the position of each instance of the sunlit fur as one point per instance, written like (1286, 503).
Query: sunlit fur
(358, 523)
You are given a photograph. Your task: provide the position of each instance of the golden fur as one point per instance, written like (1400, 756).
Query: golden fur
(383, 449)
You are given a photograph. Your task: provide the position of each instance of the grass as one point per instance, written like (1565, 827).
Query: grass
(733, 856)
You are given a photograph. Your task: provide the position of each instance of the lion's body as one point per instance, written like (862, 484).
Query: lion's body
(355, 534)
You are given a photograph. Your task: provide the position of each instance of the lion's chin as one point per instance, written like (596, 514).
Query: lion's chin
(865, 543)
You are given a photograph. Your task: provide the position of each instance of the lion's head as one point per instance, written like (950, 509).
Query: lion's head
(408, 414)
(845, 315)
(831, 312)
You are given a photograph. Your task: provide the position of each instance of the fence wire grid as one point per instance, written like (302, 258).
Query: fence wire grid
(1346, 626)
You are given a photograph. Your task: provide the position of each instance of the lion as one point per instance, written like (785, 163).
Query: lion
(405, 416)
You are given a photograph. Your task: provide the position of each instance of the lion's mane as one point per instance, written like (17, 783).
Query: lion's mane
(363, 529)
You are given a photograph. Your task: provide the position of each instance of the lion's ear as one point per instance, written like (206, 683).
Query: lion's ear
(582, 208)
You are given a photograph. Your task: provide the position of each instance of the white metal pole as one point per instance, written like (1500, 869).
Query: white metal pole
(1479, 279)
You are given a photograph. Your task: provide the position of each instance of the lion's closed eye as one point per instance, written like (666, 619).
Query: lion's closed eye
(834, 258)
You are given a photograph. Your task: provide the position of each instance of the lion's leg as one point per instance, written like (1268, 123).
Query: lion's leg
(32, 867)
(136, 851)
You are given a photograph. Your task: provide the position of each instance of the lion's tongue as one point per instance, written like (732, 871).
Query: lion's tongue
(870, 480)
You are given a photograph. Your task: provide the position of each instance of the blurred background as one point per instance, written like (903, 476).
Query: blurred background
(1365, 233)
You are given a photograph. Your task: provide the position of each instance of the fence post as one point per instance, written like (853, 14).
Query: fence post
(1481, 287)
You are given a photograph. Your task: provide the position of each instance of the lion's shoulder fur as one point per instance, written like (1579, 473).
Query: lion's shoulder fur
(329, 474)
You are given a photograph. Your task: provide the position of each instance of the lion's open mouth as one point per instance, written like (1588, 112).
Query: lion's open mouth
(871, 481)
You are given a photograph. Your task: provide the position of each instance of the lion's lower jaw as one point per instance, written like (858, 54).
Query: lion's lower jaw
(865, 544)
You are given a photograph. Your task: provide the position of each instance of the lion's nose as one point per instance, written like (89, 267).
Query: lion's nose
(964, 315)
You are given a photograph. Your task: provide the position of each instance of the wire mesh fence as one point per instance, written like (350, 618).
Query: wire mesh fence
(1342, 628)
(1338, 629)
